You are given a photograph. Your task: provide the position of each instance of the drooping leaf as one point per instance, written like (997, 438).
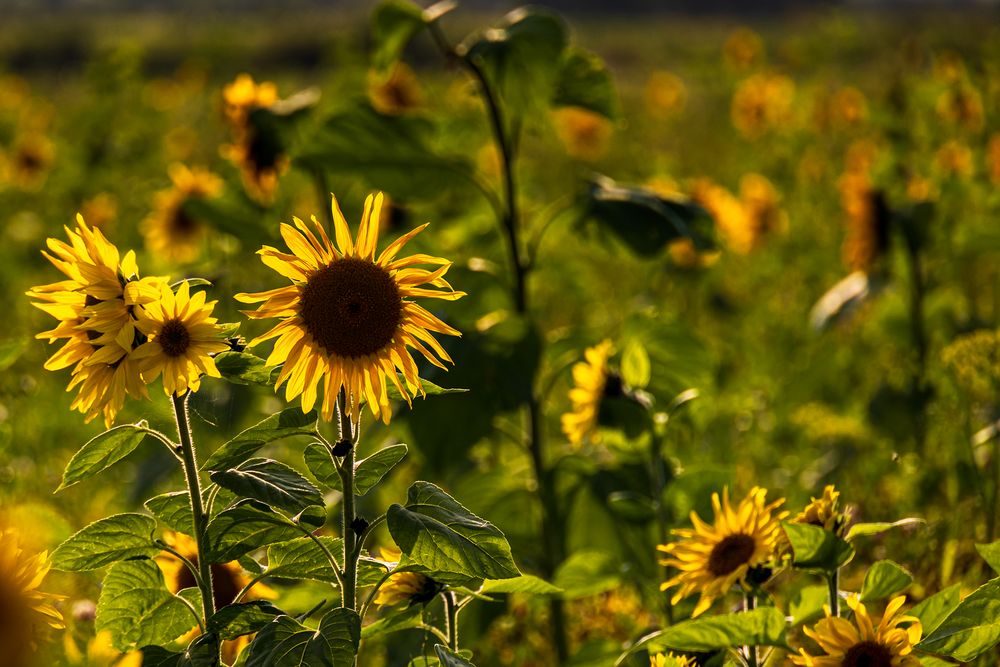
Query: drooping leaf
(870, 529)
(202, 652)
(991, 554)
(394, 24)
(285, 424)
(884, 578)
(583, 80)
(971, 629)
(526, 583)
(764, 626)
(107, 541)
(136, 608)
(429, 388)
(368, 472)
(244, 368)
(404, 619)
(437, 532)
(246, 526)
(287, 643)
(103, 451)
(270, 482)
(319, 460)
(933, 610)
(174, 510)
(815, 548)
(302, 558)
(449, 658)
(244, 618)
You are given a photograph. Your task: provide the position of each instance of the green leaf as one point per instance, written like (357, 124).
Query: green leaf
(631, 506)
(584, 81)
(764, 626)
(451, 659)
(971, 629)
(884, 578)
(319, 460)
(245, 527)
(270, 482)
(174, 510)
(869, 529)
(394, 24)
(369, 472)
(302, 558)
(429, 388)
(137, 609)
(285, 424)
(807, 604)
(287, 643)
(526, 583)
(202, 652)
(815, 548)
(11, 351)
(644, 221)
(244, 368)
(103, 451)
(636, 367)
(991, 554)
(399, 618)
(107, 541)
(933, 610)
(437, 532)
(245, 618)
(587, 573)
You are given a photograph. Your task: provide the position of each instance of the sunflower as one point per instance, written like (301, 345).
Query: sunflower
(100, 653)
(347, 318)
(743, 49)
(712, 558)
(733, 217)
(182, 336)
(584, 133)
(95, 308)
(24, 610)
(762, 102)
(868, 215)
(665, 94)
(761, 202)
(590, 379)
(823, 511)
(862, 642)
(255, 150)
(669, 659)
(27, 164)
(410, 587)
(396, 93)
(170, 231)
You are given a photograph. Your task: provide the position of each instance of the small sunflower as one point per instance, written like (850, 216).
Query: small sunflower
(665, 93)
(170, 231)
(24, 610)
(409, 587)
(862, 641)
(255, 150)
(27, 165)
(347, 318)
(712, 558)
(823, 511)
(585, 134)
(669, 659)
(396, 93)
(590, 379)
(182, 337)
(868, 216)
(762, 102)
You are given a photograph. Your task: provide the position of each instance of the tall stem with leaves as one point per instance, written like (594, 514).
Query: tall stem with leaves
(348, 440)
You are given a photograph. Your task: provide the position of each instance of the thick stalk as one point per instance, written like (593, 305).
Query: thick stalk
(197, 509)
(451, 617)
(346, 470)
(833, 580)
(750, 603)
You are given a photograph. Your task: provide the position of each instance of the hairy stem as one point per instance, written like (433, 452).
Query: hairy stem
(750, 603)
(346, 471)
(834, 582)
(451, 618)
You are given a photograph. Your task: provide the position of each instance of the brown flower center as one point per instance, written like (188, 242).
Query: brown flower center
(729, 554)
(181, 223)
(174, 338)
(225, 585)
(868, 654)
(351, 308)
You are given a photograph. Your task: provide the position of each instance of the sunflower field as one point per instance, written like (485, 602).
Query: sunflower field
(407, 334)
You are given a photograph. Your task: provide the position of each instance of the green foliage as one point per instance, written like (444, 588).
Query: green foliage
(103, 451)
(284, 642)
(450, 659)
(202, 652)
(245, 527)
(806, 605)
(243, 618)
(525, 583)
(174, 510)
(991, 554)
(269, 482)
(760, 627)
(870, 529)
(302, 558)
(393, 25)
(115, 538)
(883, 579)
(285, 424)
(584, 81)
(244, 368)
(932, 611)
(815, 548)
(970, 629)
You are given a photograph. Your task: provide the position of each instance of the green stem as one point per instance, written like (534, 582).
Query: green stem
(662, 524)
(750, 603)
(451, 618)
(180, 404)
(346, 471)
(833, 580)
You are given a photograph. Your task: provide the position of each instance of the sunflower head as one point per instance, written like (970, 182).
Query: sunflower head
(713, 557)
(665, 94)
(669, 659)
(590, 380)
(410, 587)
(824, 511)
(27, 164)
(170, 231)
(743, 49)
(868, 220)
(762, 102)
(584, 133)
(349, 319)
(396, 93)
(885, 642)
(24, 610)
(256, 149)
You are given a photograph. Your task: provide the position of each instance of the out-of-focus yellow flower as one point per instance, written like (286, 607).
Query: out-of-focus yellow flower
(844, 108)
(100, 652)
(682, 251)
(993, 159)
(257, 153)
(761, 103)
(949, 66)
(730, 215)
(666, 94)
(180, 143)
(26, 611)
(589, 381)
(920, 189)
(671, 660)
(409, 587)
(170, 231)
(396, 93)
(100, 210)
(584, 133)
(863, 640)
(954, 159)
(763, 208)
(823, 511)
(743, 49)
(14, 91)
(860, 156)
(519, 635)
(615, 614)
(867, 216)
(27, 164)
(961, 105)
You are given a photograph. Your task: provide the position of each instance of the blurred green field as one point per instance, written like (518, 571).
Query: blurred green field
(891, 401)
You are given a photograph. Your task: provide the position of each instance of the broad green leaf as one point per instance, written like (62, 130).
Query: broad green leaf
(368, 472)
(270, 482)
(319, 460)
(815, 548)
(285, 424)
(244, 368)
(991, 554)
(643, 220)
(437, 532)
(174, 510)
(11, 351)
(869, 529)
(285, 642)
(971, 629)
(245, 618)
(202, 652)
(302, 558)
(884, 578)
(449, 658)
(107, 541)
(394, 24)
(807, 604)
(429, 388)
(933, 610)
(631, 506)
(245, 527)
(526, 583)
(587, 573)
(583, 80)
(103, 451)
(636, 367)
(137, 609)
(761, 627)
(399, 618)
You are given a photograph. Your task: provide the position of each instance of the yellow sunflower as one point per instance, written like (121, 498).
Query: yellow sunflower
(823, 511)
(409, 587)
(182, 337)
(95, 308)
(27, 164)
(867, 237)
(24, 610)
(585, 134)
(258, 154)
(671, 660)
(862, 641)
(171, 232)
(762, 102)
(396, 93)
(712, 558)
(347, 318)
(100, 653)
(590, 378)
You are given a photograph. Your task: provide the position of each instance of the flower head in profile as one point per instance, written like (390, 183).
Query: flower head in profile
(761, 103)
(27, 164)
(868, 219)
(885, 642)
(349, 319)
(409, 587)
(95, 307)
(590, 378)
(665, 94)
(182, 336)
(25, 610)
(743, 49)
(824, 511)
(256, 150)
(171, 231)
(395, 93)
(714, 557)
(669, 659)
(584, 133)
